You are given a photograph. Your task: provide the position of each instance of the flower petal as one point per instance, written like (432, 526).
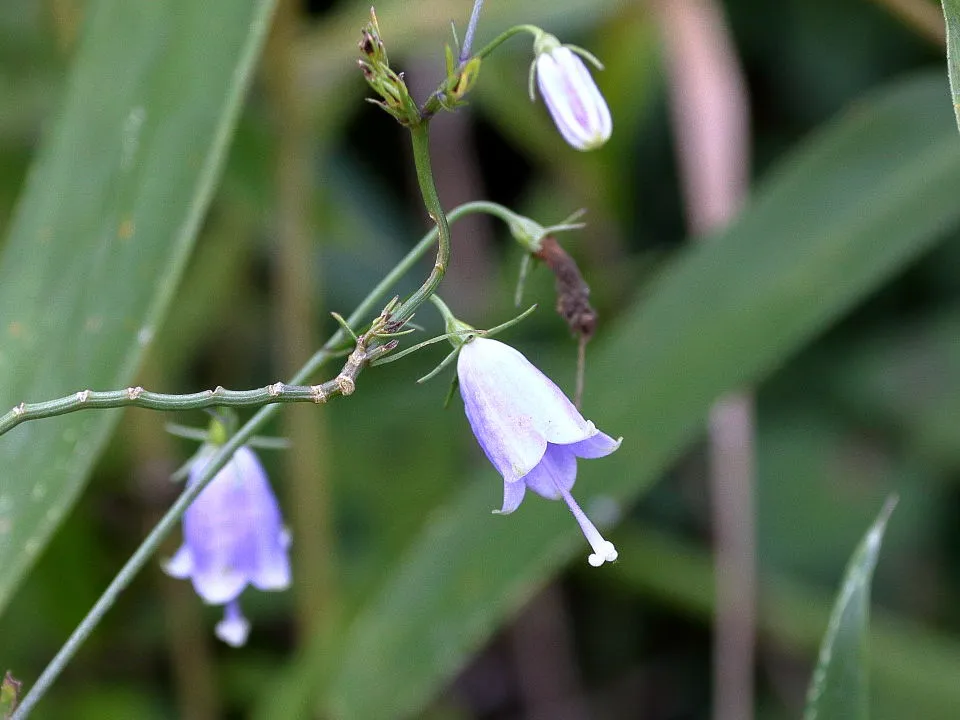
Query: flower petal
(219, 587)
(234, 628)
(513, 408)
(557, 470)
(513, 493)
(262, 552)
(180, 565)
(273, 569)
(599, 445)
(512, 452)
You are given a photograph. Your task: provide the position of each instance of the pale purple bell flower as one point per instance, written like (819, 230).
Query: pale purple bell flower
(529, 430)
(233, 536)
(572, 97)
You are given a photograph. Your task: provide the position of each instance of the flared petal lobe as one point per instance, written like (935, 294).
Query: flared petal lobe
(596, 446)
(513, 493)
(573, 99)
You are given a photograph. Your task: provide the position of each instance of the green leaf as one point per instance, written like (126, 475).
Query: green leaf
(839, 688)
(852, 206)
(911, 666)
(951, 13)
(103, 230)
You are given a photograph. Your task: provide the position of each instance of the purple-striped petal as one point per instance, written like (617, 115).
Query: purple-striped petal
(273, 567)
(576, 105)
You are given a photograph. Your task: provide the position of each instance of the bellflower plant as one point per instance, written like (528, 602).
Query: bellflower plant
(576, 105)
(529, 430)
(233, 536)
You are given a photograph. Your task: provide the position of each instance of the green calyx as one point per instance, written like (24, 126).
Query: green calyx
(217, 433)
(529, 234)
(544, 42)
(458, 332)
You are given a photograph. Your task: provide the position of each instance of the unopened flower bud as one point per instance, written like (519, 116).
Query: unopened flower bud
(368, 45)
(366, 70)
(576, 105)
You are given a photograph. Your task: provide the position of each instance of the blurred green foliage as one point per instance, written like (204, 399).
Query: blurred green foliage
(837, 292)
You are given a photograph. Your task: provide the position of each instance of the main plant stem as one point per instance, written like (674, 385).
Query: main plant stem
(420, 134)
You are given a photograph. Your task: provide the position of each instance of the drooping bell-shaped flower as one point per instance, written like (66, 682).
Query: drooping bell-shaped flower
(233, 536)
(576, 105)
(529, 430)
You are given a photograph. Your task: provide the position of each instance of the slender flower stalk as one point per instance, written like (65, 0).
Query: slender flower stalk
(529, 430)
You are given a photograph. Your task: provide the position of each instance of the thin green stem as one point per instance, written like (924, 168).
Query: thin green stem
(166, 524)
(506, 35)
(138, 397)
(277, 393)
(420, 134)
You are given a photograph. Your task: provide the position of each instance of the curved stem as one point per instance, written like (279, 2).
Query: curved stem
(433, 103)
(150, 544)
(506, 35)
(420, 134)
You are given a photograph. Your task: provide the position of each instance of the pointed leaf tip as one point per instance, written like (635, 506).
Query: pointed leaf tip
(839, 687)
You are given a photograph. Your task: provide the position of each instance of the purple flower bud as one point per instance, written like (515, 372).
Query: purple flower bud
(233, 535)
(578, 109)
(529, 430)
